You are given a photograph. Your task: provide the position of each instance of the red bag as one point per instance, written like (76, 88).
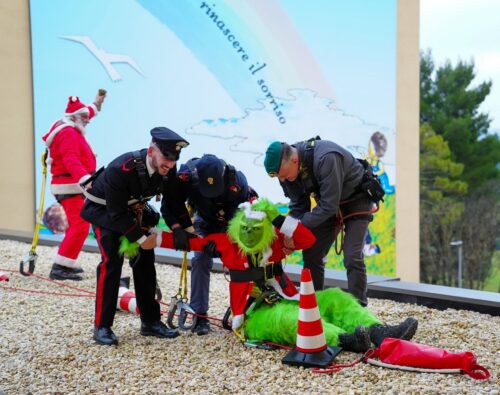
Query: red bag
(405, 355)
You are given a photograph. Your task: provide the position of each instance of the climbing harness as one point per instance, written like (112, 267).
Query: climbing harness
(339, 246)
(32, 256)
(179, 303)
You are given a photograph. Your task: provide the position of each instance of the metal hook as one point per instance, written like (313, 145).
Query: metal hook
(30, 260)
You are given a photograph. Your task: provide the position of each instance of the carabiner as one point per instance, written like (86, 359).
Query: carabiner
(226, 324)
(30, 260)
(171, 312)
(184, 310)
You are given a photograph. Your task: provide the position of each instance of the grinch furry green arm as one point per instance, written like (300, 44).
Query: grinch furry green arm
(131, 249)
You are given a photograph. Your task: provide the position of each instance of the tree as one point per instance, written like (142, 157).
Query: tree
(456, 151)
(450, 105)
(480, 225)
(440, 208)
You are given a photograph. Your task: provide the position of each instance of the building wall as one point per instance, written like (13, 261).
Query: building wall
(17, 201)
(407, 141)
(17, 177)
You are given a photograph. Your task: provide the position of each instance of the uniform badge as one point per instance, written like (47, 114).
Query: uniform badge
(180, 144)
(210, 180)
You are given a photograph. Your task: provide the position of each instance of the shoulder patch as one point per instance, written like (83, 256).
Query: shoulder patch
(129, 165)
(184, 176)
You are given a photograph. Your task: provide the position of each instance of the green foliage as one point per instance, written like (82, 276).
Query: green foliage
(492, 282)
(450, 105)
(440, 206)
(458, 166)
(438, 187)
(480, 226)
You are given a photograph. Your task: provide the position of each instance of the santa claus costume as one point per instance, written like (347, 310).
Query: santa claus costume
(258, 239)
(72, 161)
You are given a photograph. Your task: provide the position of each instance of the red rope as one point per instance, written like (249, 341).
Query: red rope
(334, 368)
(35, 291)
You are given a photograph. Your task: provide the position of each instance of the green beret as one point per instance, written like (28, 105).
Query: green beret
(272, 161)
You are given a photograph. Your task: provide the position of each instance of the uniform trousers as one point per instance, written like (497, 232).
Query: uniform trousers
(75, 235)
(201, 265)
(355, 230)
(108, 280)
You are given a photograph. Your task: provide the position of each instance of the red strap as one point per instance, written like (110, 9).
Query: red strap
(333, 368)
(483, 373)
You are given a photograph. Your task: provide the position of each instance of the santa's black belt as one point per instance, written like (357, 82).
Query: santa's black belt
(256, 274)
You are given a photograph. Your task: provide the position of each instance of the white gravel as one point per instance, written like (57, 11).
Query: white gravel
(46, 346)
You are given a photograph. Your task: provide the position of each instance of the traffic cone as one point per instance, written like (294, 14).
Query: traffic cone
(126, 298)
(311, 349)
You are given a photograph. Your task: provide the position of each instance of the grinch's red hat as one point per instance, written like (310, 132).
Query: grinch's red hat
(75, 106)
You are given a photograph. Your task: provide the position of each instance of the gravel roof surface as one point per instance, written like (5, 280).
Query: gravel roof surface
(46, 346)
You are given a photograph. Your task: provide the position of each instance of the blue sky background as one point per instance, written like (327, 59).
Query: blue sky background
(466, 29)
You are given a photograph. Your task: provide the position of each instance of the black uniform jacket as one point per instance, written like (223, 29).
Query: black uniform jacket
(118, 184)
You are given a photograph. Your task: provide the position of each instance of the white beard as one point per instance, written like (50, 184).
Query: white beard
(80, 126)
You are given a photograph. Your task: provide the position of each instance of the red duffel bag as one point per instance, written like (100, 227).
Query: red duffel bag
(406, 355)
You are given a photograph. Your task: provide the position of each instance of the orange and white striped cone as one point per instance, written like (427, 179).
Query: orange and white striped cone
(126, 298)
(311, 349)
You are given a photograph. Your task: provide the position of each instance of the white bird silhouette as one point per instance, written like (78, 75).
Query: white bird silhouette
(105, 58)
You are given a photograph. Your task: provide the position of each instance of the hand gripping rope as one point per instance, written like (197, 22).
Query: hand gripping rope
(32, 256)
(180, 302)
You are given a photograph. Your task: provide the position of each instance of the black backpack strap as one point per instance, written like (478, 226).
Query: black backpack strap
(307, 165)
(232, 182)
(370, 183)
(142, 171)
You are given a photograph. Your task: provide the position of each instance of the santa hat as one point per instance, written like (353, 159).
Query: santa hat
(75, 106)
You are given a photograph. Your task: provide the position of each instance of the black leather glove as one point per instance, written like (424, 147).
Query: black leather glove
(150, 217)
(278, 221)
(210, 249)
(181, 239)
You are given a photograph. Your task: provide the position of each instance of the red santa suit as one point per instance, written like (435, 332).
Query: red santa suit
(71, 161)
(234, 259)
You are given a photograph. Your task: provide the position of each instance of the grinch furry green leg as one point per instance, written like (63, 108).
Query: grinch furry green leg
(343, 310)
(278, 324)
(340, 313)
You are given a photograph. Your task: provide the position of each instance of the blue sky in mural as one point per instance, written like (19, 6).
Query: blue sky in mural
(230, 76)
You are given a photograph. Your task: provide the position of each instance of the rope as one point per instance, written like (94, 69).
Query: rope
(342, 219)
(334, 368)
(36, 291)
(38, 224)
(182, 291)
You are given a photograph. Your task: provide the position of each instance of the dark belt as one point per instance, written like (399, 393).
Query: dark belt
(256, 274)
(65, 196)
(61, 175)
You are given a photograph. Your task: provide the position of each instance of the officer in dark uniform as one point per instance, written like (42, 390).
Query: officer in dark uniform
(342, 186)
(213, 190)
(116, 205)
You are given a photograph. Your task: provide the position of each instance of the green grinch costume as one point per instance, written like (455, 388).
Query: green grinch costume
(263, 300)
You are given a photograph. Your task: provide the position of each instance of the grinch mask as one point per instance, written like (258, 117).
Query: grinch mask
(251, 227)
(251, 232)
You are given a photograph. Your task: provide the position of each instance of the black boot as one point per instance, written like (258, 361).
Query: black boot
(105, 336)
(158, 329)
(202, 326)
(404, 331)
(359, 341)
(77, 270)
(59, 272)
